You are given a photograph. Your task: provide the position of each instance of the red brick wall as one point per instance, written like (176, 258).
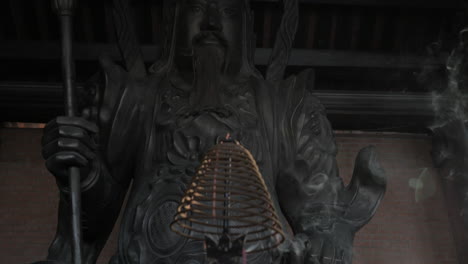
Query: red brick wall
(28, 200)
(403, 230)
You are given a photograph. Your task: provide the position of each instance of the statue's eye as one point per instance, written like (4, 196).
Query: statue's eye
(229, 11)
(196, 9)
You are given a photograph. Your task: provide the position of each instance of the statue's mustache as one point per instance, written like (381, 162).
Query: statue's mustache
(205, 37)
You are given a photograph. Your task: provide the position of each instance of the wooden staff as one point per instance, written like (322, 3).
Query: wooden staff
(64, 9)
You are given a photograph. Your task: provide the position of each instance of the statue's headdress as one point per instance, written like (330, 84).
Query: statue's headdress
(278, 59)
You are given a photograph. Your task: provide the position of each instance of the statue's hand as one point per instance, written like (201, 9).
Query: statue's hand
(367, 188)
(326, 235)
(322, 248)
(68, 141)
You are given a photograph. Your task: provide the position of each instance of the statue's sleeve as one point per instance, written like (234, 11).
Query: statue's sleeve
(116, 109)
(319, 208)
(308, 179)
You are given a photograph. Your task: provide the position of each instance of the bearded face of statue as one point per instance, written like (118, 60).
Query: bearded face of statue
(213, 25)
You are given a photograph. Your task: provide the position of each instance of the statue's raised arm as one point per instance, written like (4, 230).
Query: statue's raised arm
(324, 214)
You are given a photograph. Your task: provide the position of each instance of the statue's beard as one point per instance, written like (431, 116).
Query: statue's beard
(209, 65)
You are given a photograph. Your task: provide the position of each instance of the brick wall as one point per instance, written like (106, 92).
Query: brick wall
(404, 230)
(28, 200)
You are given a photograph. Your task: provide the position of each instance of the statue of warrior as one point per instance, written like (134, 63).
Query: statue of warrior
(145, 131)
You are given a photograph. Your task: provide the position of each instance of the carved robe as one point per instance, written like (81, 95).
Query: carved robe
(151, 141)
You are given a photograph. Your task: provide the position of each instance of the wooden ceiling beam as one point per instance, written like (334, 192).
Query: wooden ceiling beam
(17, 14)
(267, 24)
(347, 110)
(394, 3)
(109, 21)
(41, 16)
(346, 102)
(88, 26)
(299, 57)
(356, 15)
(312, 21)
(155, 22)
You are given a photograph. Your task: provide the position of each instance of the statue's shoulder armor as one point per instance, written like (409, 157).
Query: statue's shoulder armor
(121, 91)
(124, 105)
(294, 96)
(303, 118)
(297, 90)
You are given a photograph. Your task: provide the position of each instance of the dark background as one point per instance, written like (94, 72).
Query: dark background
(368, 54)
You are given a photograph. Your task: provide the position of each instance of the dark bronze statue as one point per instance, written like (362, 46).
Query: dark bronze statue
(144, 132)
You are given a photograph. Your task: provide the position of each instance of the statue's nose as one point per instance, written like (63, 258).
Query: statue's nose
(212, 19)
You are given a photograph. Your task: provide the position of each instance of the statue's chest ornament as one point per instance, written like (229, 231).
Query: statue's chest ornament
(196, 136)
(236, 109)
(192, 131)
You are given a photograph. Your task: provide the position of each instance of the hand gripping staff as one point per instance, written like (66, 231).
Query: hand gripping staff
(64, 10)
